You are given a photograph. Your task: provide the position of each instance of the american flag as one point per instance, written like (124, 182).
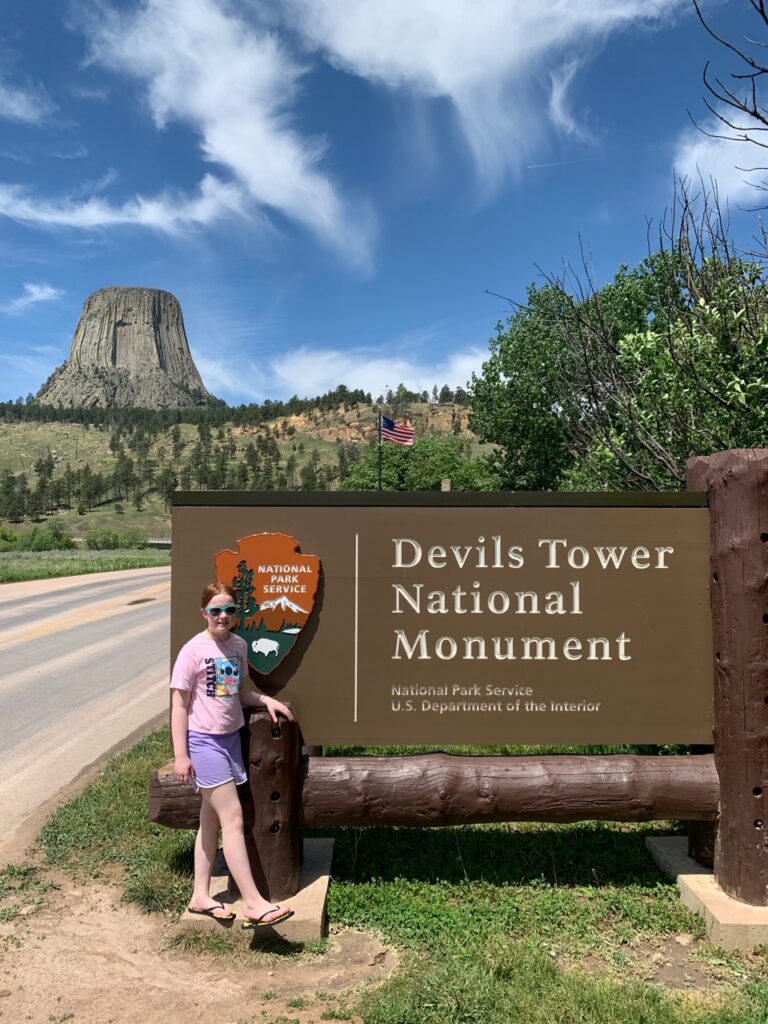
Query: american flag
(400, 433)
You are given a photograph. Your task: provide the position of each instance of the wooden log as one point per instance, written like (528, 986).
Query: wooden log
(737, 484)
(445, 789)
(272, 814)
(702, 835)
(172, 803)
(442, 789)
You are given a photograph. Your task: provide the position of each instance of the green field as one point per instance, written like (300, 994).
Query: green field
(16, 566)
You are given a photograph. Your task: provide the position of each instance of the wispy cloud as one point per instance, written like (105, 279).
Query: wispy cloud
(234, 85)
(47, 350)
(311, 371)
(561, 80)
(490, 58)
(30, 106)
(37, 370)
(72, 153)
(90, 92)
(32, 295)
(170, 213)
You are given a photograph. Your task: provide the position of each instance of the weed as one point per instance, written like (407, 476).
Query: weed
(316, 947)
(197, 940)
(341, 1012)
(21, 884)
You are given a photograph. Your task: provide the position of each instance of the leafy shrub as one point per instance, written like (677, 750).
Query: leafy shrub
(52, 537)
(8, 539)
(102, 540)
(133, 538)
(111, 540)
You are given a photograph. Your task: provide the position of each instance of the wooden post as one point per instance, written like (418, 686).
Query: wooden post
(701, 834)
(737, 483)
(272, 812)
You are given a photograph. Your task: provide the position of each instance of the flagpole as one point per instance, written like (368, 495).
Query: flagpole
(379, 449)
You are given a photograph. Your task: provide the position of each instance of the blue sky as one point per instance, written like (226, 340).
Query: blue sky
(331, 187)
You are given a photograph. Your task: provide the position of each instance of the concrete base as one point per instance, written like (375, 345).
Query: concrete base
(309, 919)
(730, 924)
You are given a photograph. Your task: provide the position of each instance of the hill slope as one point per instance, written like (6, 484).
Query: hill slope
(94, 477)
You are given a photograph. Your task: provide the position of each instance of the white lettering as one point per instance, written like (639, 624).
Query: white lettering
(414, 601)
(399, 563)
(409, 649)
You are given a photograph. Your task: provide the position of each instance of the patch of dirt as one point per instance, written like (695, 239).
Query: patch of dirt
(87, 958)
(682, 962)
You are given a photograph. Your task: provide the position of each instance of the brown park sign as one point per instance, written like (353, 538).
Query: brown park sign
(458, 618)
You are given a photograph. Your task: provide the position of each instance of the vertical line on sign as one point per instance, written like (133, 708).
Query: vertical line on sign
(357, 587)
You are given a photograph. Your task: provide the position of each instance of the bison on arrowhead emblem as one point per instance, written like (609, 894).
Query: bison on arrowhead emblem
(275, 586)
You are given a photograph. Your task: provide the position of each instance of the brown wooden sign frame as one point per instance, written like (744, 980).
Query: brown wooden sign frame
(728, 788)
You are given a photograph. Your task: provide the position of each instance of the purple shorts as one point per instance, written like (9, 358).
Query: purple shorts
(217, 758)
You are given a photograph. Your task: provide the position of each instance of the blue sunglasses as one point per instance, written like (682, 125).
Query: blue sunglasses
(228, 609)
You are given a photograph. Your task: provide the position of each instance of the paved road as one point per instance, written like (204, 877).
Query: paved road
(83, 665)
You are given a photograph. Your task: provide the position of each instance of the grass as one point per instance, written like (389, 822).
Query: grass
(22, 887)
(154, 520)
(494, 923)
(16, 566)
(22, 444)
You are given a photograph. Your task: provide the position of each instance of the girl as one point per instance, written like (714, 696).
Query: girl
(206, 716)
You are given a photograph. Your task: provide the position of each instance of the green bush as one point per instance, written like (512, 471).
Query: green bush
(9, 540)
(102, 540)
(133, 538)
(111, 540)
(52, 537)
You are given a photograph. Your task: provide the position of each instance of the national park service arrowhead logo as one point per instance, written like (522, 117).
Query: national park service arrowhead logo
(275, 587)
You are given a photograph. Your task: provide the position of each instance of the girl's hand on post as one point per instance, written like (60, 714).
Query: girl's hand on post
(275, 708)
(183, 768)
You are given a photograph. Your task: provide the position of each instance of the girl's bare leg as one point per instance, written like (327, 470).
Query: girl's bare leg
(206, 844)
(225, 804)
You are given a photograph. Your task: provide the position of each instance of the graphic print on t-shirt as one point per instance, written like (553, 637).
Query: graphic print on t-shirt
(222, 676)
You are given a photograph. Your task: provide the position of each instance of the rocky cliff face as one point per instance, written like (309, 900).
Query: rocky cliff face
(129, 348)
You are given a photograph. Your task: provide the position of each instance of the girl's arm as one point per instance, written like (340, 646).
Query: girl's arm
(260, 700)
(179, 727)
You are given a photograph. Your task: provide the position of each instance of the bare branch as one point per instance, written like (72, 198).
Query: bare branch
(728, 45)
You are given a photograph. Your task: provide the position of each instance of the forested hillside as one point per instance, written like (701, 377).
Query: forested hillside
(115, 469)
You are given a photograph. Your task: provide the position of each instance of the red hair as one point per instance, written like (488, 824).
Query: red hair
(213, 588)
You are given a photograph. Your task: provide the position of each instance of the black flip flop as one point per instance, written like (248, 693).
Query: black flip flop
(259, 922)
(210, 912)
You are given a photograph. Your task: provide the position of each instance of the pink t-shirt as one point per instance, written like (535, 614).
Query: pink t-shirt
(211, 670)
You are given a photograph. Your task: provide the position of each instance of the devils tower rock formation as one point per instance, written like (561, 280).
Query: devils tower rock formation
(129, 348)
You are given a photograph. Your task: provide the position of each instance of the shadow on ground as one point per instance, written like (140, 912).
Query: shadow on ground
(587, 854)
